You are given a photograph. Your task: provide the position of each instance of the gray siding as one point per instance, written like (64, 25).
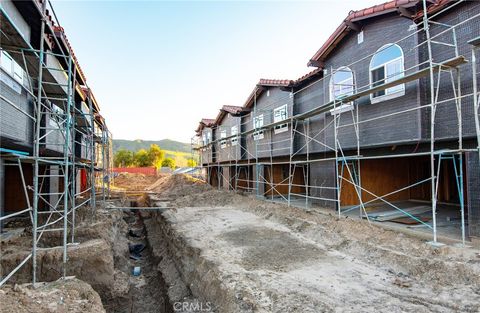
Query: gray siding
(272, 144)
(206, 153)
(15, 127)
(229, 152)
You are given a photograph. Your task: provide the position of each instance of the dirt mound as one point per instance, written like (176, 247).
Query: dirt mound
(71, 295)
(134, 182)
(179, 185)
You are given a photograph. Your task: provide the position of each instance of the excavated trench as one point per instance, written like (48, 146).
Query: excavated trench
(147, 290)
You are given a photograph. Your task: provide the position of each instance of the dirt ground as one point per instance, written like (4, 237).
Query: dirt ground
(228, 252)
(72, 295)
(134, 182)
(267, 257)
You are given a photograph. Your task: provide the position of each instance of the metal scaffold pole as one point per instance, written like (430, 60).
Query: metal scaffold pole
(426, 27)
(36, 148)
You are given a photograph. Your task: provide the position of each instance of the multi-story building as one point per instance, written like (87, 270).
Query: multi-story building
(386, 122)
(53, 140)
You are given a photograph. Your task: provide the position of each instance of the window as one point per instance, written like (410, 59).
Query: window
(223, 142)
(11, 67)
(280, 114)
(7, 62)
(209, 137)
(17, 72)
(386, 66)
(268, 93)
(204, 139)
(341, 83)
(360, 37)
(257, 124)
(234, 131)
(56, 117)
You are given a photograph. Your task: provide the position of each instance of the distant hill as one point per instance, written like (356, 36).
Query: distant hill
(135, 145)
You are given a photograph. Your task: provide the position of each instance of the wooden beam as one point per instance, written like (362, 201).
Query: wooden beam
(353, 26)
(405, 12)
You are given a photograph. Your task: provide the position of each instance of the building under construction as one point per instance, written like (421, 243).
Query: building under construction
(55, 146)
(385, 128)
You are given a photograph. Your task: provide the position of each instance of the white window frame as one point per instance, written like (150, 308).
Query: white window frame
(257, 125)
(360, 37)
(223, 142)
(234, 132)
(56, 117)
(14, 69)
(390, 93)
(332, 83)
(344, 107)
(277, 117)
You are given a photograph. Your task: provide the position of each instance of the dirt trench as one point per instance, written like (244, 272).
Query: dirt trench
(147, 292)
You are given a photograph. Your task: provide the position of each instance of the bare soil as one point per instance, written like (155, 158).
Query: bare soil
(71, 295)
(134, 182)
(249, 255)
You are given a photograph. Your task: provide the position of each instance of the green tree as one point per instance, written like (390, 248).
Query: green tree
(123, 158)
(142, 159)
(191, 162)
(168, 162)
(156, 155)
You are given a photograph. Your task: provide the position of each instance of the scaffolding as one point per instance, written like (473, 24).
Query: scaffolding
(343, 112)
(67, 137)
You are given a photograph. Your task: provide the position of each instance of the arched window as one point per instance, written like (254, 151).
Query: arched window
(341, 83)
(386, 66)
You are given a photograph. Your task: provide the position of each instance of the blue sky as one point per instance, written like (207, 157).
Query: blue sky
(158, 67)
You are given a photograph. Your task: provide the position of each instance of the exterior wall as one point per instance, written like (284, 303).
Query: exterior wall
(8, 7)
(15, 127)
(55, 138)
(323, 181)
(402, 128)
(2, 191)
(230, 152)
(446, 123)
(272, 144)
(57, 71)
(206, 153)
(306, 99)
(472, 188)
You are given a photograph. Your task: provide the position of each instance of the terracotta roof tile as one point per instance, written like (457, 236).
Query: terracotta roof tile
(315, 72)
(353, 16)
(274, 82)
(208, 121)
(232, 109)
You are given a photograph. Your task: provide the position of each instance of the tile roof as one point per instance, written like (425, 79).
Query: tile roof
(316, 72)
(354, 16)
(205, 122)
(274, 82)
(232, 109)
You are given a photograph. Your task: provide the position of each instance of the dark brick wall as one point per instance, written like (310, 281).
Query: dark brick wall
(446, 123)
(473, 193)
(388, 130)
(323, 174)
